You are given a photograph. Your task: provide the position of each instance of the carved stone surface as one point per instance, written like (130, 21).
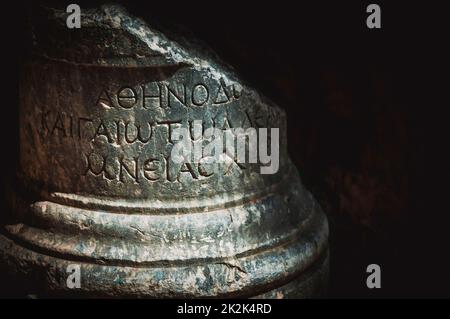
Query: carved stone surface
(97, 187)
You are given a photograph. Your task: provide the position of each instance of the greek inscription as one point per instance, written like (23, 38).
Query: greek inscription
(167, 95)
(150, 169)
(154, 164)
(126, 97)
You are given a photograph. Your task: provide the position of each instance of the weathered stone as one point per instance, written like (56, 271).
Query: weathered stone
(98, 188)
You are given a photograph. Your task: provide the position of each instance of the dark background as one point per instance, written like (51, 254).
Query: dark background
(356, 120)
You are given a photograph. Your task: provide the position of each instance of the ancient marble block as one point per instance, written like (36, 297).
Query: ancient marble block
(99, 190)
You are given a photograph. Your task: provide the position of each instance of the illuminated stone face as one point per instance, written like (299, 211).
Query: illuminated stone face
(96, 135)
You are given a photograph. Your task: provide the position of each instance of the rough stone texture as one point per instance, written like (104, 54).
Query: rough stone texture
(97, 187)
